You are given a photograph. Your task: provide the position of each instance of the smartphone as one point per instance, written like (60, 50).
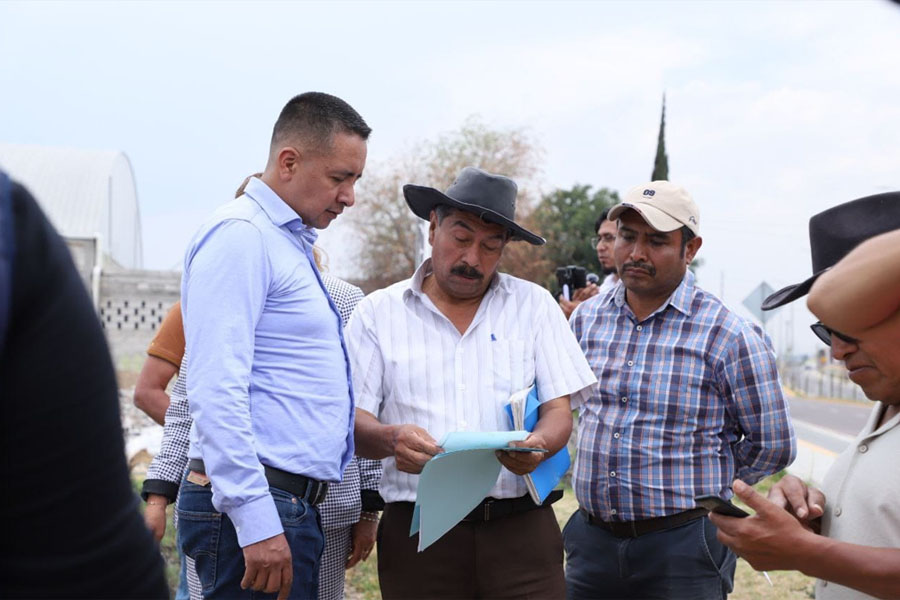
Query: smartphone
(722, 507)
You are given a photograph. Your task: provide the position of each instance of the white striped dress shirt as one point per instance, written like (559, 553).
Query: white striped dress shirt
(411, 365)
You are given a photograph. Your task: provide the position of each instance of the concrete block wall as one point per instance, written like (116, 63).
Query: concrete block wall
(131, 306)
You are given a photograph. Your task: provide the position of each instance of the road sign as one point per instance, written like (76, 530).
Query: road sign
(754, 301)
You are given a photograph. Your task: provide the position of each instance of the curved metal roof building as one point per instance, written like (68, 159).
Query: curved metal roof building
(85, 194)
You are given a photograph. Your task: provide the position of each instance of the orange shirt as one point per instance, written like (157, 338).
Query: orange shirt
(169, 341)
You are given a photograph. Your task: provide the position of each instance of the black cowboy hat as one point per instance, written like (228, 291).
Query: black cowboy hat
(491, 197)
(838, 230)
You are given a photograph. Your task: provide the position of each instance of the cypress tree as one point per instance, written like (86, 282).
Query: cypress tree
(661, 164)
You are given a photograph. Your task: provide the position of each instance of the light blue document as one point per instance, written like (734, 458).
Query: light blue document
(523, 414)
(453, 483)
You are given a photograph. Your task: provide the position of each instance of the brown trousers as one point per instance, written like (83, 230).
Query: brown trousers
(518, 556)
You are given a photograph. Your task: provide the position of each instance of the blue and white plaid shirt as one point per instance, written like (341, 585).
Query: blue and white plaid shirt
(687, 400)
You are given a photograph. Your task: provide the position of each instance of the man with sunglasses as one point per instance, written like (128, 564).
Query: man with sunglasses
(852, 541)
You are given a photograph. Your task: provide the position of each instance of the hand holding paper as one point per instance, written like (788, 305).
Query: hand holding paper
(523, 411)
(413, 447)
(454, 482)
(521, 463)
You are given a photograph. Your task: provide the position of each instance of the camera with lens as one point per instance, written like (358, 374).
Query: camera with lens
(570, 278)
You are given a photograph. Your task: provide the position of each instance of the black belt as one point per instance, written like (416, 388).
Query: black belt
(303, 487)
(492, 508)
(624, 529)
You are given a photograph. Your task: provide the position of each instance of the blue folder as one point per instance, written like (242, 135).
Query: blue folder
(549, 473)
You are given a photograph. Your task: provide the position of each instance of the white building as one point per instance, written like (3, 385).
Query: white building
(91, 199)
(88, 195)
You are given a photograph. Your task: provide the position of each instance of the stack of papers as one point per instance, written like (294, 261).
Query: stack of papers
(455, 482)
(522, 411)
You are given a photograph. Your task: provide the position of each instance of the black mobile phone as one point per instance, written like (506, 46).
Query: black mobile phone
(722, 507)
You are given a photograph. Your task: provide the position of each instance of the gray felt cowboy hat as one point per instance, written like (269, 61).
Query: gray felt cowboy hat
(838, 230)
(491, 197)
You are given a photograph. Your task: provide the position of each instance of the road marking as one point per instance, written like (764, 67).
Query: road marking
(826, 431)
(816, 448)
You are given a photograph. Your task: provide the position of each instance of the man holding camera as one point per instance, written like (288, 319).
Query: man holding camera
(603, 242)
(688, 400)
(443, 352)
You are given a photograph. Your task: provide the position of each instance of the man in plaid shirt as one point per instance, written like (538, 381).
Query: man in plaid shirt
(688, 400)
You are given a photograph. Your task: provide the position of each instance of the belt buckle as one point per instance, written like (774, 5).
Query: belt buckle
(316, 492)
(487, 509)
(622, 529)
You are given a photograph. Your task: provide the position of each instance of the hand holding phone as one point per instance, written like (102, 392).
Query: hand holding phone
(722, 507)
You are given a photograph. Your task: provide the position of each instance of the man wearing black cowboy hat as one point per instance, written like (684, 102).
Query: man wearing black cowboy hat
(442, 352)
(857, 552)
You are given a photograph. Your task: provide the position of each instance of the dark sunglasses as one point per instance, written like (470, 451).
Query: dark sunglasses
(824, 333)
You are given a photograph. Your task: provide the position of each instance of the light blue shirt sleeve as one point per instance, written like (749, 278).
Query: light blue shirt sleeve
(227, 275)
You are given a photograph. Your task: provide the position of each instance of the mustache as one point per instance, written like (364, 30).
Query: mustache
(646, 267)
(466, 271)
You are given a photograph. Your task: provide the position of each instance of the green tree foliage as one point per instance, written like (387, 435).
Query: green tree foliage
(566, 219)
(661, 163)
(696, 264)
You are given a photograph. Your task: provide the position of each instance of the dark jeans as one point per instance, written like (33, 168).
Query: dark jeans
(685, 562)
(209, 538)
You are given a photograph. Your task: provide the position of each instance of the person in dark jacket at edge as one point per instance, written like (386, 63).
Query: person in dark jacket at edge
(69, 517)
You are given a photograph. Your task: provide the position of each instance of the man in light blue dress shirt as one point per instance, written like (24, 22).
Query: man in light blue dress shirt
(269, 380)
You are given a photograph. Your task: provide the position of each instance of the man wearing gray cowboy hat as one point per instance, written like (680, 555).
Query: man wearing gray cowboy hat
(688, 399)
(443, 352)
(798, 527)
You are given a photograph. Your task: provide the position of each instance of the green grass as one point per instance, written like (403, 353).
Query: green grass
(167, 546)
(170, 553)
(362, 581)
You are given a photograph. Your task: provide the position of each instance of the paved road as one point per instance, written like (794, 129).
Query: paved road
(824, 429)
(843, 416)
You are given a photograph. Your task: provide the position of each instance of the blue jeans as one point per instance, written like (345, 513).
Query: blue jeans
(209, 538)
(686, 562)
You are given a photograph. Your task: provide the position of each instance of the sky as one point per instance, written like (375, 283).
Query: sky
(775, 110)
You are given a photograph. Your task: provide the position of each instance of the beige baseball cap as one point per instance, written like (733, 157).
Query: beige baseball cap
(664, 205)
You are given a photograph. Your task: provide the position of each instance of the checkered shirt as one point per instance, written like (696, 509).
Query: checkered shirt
(171, 460)
(687, 400)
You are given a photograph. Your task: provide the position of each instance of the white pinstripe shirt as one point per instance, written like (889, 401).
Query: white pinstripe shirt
(411, 365)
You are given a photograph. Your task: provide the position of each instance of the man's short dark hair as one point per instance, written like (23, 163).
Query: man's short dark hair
(686, 236)
(442, 211)
(600, 219)
(315, 117)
